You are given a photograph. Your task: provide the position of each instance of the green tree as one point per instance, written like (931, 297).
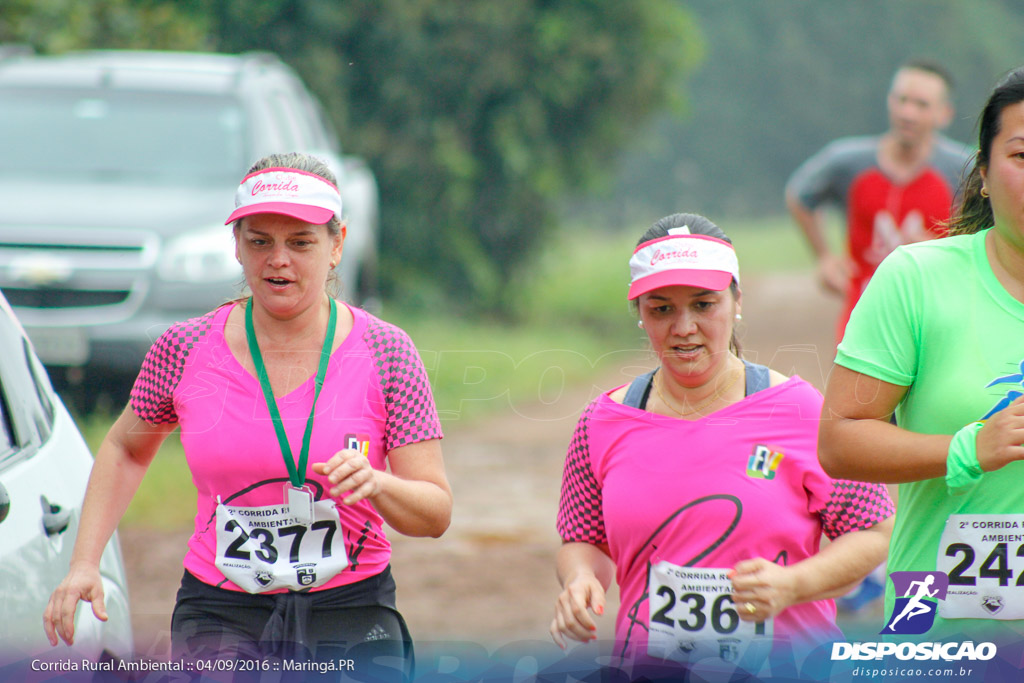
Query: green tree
(783, 77)
(59, 25)
(476, 116)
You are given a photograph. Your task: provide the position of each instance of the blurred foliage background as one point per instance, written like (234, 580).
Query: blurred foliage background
(490, 124)
(522, 147)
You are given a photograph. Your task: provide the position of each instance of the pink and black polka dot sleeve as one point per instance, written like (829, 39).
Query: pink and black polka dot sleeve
(855, 505)
(411, 414)
(580, 509)
(152, 396)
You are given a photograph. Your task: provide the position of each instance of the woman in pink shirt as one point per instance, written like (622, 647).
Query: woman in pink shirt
(306, 423)
(697, 487)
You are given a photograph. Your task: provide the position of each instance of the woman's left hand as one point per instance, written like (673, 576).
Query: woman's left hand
(761, 589)
(351, 471)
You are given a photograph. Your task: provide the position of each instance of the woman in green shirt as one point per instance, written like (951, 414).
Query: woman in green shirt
(937, 341)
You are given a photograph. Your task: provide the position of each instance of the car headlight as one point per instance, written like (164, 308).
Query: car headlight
(202, 256)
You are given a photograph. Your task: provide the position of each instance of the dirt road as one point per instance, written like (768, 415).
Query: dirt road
(490, 578)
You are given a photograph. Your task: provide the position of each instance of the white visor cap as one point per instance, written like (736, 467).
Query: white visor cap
(287, 191)
(683, 259)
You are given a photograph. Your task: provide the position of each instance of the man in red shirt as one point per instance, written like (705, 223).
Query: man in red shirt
(894, 188)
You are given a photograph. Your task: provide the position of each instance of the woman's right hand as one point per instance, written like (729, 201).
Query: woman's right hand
(999, 441)
(582, 594)
(83, 582)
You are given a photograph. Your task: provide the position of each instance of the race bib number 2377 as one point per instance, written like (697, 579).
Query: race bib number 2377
(267, 548)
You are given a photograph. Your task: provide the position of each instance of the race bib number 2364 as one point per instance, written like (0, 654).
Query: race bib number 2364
(692, 617)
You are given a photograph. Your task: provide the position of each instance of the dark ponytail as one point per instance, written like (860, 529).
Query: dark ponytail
(975, 210)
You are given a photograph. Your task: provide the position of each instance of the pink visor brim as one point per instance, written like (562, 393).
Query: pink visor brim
(310, 214)
(714, 280)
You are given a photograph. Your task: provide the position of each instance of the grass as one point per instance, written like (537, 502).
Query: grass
(583, 277)
(478, 368)
(571, 323)
(775, 245)
(166, 498)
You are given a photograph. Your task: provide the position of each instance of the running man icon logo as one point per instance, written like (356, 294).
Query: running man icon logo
(917, 596)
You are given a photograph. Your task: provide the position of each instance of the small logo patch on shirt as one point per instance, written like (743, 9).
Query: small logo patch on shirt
(763, 462)
(1016, 380)
(358, 442)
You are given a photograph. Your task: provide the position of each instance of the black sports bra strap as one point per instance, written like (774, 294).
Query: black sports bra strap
(638, 391)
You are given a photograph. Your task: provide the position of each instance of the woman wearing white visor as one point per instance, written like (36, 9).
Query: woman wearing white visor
(307, 423)
(697, 487)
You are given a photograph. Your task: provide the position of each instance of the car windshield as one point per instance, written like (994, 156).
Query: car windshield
(120, 135)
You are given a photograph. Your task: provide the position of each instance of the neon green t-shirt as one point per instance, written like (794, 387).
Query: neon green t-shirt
(934, 318)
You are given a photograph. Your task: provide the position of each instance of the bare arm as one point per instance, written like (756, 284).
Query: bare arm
(414, 498)
(585, 572)
(833, 269)
(771, 588)
(857, 441)
(122, 460)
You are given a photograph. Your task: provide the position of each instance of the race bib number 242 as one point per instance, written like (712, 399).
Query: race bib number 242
(984, 558)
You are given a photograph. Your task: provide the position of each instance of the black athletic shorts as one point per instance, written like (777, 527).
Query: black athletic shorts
(350, 632)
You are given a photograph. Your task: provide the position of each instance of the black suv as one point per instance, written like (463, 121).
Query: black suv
(117, 171)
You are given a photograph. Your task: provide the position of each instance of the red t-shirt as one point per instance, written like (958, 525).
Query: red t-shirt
(880, 213)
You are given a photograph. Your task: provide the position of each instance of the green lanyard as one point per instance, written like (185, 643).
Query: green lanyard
(296, 474)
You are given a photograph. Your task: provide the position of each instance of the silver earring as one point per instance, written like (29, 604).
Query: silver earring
(640, 324)
(739, 317)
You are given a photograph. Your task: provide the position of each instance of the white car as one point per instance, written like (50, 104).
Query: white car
(44, 468)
